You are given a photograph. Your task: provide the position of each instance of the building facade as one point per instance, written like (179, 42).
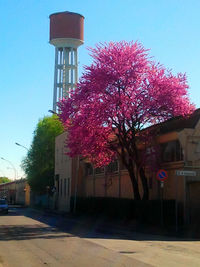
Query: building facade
(16, 192)
(63, 175)
(179, 142)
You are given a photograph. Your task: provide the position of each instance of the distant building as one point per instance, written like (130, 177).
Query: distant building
(63, 175)
(16, 192)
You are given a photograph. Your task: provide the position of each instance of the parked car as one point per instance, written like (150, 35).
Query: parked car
(3, 206)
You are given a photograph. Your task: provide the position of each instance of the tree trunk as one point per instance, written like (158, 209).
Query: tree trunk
(134, 185)
(144, 184)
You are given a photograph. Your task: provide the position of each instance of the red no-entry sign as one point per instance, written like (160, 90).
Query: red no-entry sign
(161, 175)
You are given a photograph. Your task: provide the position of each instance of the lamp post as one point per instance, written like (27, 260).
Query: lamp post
(13, 167)
(21, 146)
(53, 112)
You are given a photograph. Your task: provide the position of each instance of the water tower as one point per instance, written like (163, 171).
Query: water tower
(66, 34)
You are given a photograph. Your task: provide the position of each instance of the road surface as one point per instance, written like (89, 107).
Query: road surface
(29, 238)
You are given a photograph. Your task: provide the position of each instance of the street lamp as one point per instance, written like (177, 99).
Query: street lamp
(52, 112)
(21, 146)
(11, 165)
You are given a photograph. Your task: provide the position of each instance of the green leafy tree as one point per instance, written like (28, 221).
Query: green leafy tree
(4, 180)
(39, 162)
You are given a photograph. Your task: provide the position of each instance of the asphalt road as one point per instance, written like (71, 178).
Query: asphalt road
(26, 241)
(29, 238)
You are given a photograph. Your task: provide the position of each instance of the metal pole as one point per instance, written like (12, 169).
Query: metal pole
(176, 208)
(119, 175)
(55, 97)
(162, 186)
(106, 180)
(21, 146)
(94, 182)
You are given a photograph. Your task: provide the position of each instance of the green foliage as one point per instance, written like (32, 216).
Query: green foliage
(39, 162)
(4, 180)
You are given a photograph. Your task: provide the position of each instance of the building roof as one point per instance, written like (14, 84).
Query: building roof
(180, 123)
(9, 183)
(13, 182)
(66, 12)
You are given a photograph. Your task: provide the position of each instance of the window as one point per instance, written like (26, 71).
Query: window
(88, 169)
(171, 151)
(99, 170)
(57, 177)
(123, 167)
(112, 167)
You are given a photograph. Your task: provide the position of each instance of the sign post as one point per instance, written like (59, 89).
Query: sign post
(161, 176)
(176, 204)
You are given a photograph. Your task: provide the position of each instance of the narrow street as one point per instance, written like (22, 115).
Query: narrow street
(30, 238)
(27, 242)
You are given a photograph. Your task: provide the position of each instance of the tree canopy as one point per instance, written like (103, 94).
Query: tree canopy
(4, 180)
(39, 162)
(121, 93)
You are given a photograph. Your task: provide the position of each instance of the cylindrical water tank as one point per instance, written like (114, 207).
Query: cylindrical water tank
(66, 25)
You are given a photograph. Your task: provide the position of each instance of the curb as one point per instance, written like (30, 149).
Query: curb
(100, 226)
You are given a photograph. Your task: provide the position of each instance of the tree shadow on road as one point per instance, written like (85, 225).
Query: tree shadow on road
(26, 232)
(57, 226)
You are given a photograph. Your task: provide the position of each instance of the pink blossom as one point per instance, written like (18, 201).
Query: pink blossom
(121, 93)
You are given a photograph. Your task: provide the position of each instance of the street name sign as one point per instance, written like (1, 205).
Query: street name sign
(185, 173)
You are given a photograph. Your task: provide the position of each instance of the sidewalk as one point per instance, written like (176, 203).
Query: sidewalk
(107, 226)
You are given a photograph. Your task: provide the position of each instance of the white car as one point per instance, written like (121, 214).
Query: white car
(3, 206)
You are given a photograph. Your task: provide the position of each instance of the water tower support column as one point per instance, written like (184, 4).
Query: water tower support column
(66, 34)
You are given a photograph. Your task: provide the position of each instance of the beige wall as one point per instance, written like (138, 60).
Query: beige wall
(22, 192)
(18, 190)
(194, 203)
(97, 186)
(115, 185)
(27, 194)
(63, 168)
(174, 186)
(8, 190)
(190, 140)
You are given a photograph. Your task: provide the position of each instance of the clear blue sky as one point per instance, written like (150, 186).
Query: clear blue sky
(170, 28)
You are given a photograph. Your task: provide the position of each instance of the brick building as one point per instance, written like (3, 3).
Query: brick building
(16, 192)
(179, 141)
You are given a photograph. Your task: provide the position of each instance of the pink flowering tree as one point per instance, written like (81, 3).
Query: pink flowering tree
(119, 95)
